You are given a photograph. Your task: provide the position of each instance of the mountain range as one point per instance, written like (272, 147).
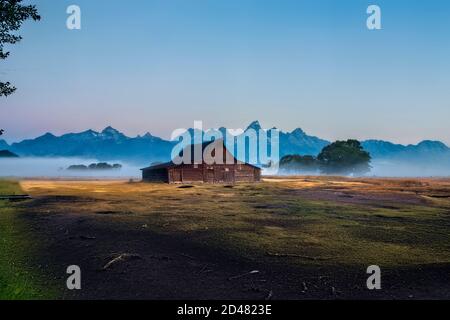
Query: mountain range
(110, 144)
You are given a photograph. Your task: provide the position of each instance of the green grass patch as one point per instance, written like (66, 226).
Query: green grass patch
(18, 280)
(253, 220)
(9, 188)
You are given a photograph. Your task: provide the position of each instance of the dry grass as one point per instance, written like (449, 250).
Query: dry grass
(338, 221)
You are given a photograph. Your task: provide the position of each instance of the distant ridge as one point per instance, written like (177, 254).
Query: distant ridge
(7, 154)
(111, 144)
(3, 145)
(425, 150)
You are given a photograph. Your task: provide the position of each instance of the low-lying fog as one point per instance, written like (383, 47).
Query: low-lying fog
(396, 168)
(57, 167)
(389, 168)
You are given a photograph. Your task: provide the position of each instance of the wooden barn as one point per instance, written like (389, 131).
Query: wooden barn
(230, 170)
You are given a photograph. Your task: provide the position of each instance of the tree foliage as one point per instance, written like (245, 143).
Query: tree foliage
(297, 163)
(12, 15)
(344, 157)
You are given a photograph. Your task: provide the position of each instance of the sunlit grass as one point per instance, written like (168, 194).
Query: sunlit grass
(18, 279)
(254, 220)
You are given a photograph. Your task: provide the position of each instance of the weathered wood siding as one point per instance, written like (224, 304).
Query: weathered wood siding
(207, 173)
(157, 175)
(216, 173)
(192, 173)
(246, 173)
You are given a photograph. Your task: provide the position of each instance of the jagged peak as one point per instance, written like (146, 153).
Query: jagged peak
(255, 125)
(89, 132)
(48, 135)
(298, 132)
(3, 144)
(110, 129)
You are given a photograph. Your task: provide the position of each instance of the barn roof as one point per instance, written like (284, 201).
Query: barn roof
(171, 164)
(160, 166)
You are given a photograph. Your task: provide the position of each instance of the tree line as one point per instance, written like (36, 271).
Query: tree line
(340, 158)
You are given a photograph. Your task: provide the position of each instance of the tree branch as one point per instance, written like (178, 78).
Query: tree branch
(6, 89)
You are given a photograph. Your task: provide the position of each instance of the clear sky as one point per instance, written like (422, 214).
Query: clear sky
(146, 65)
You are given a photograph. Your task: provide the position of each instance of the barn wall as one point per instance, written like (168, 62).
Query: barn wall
(192, 173)
(174, 175)
(156, 175)
(257, 174)
(204, 173)
(214, 174)
(246, 173)
(220, 173)
(186, 174)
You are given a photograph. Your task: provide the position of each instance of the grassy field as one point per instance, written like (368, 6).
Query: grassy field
(332, 221)
(18, 279)
(297, 230)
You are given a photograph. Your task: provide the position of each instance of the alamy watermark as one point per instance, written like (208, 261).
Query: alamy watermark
(374, 20)
(74, 280)
(73, 21)
(374, 280)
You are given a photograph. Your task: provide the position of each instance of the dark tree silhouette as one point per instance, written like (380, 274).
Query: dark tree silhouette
(298, 163)
(344, 157)
(12, 15)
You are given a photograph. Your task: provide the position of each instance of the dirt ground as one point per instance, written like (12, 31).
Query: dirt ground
(303, 238)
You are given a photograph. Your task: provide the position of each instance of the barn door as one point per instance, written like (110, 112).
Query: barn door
(219, 174)
(229, 175)
(209, 175)
(175, 175)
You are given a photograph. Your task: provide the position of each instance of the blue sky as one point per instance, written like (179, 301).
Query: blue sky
(146, 65)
